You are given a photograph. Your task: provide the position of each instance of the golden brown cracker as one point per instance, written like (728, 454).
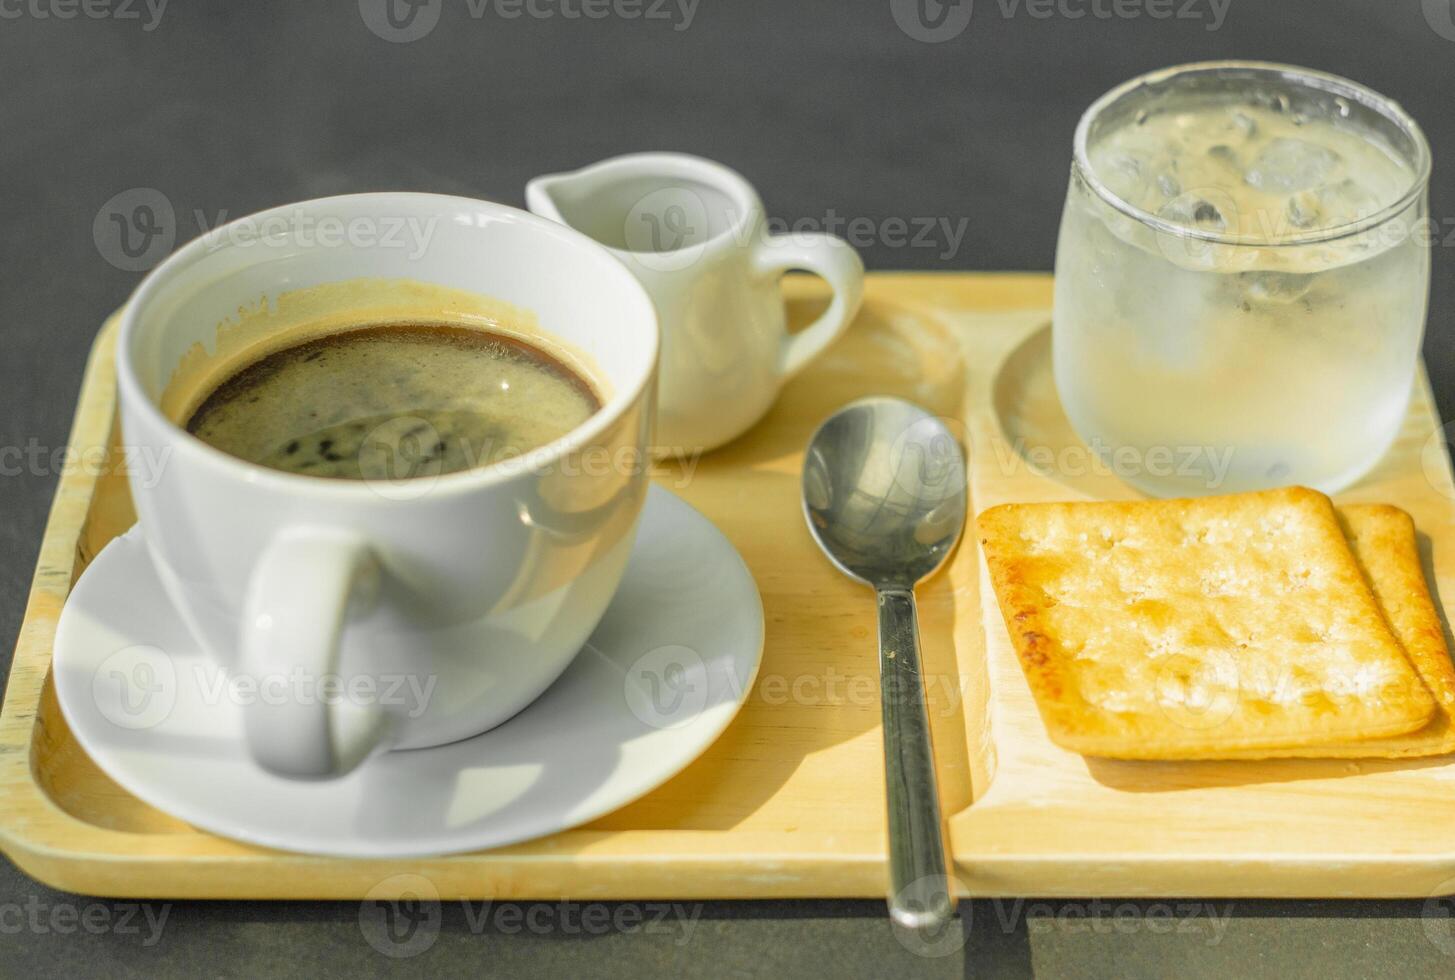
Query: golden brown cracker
(1203, 628)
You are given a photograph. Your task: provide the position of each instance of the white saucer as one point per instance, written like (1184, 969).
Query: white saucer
(658, 681)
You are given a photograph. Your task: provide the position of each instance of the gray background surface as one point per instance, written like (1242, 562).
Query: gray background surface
(831, 109)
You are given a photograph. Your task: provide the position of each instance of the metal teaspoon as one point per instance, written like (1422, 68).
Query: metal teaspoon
(884, 494)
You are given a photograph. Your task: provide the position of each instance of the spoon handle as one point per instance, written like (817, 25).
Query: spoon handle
(919, 893)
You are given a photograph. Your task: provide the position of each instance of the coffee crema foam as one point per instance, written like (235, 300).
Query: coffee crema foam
(395, 400)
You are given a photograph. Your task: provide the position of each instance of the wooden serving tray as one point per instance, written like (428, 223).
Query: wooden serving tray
(789, 802)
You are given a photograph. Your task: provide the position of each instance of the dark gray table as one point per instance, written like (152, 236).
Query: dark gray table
(831, 109)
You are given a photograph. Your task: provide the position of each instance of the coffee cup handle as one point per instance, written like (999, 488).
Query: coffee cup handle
(306, 584)
(835, 261)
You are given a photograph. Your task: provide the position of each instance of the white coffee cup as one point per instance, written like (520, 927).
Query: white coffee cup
(696, 235)
(479, 586)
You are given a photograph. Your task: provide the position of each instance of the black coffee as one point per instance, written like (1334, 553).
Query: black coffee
(394, 401)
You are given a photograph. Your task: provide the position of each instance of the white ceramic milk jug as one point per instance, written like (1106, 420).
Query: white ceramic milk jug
(695, 234)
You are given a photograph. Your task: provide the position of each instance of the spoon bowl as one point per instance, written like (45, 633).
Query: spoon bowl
(884, 491)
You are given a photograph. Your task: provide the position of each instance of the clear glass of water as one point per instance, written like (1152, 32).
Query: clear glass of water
(1242, 277)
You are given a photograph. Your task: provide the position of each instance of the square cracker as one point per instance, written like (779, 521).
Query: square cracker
(1383, 540)
(1205, 628)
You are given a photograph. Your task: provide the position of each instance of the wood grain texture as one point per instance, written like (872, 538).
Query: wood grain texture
(789, 802)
